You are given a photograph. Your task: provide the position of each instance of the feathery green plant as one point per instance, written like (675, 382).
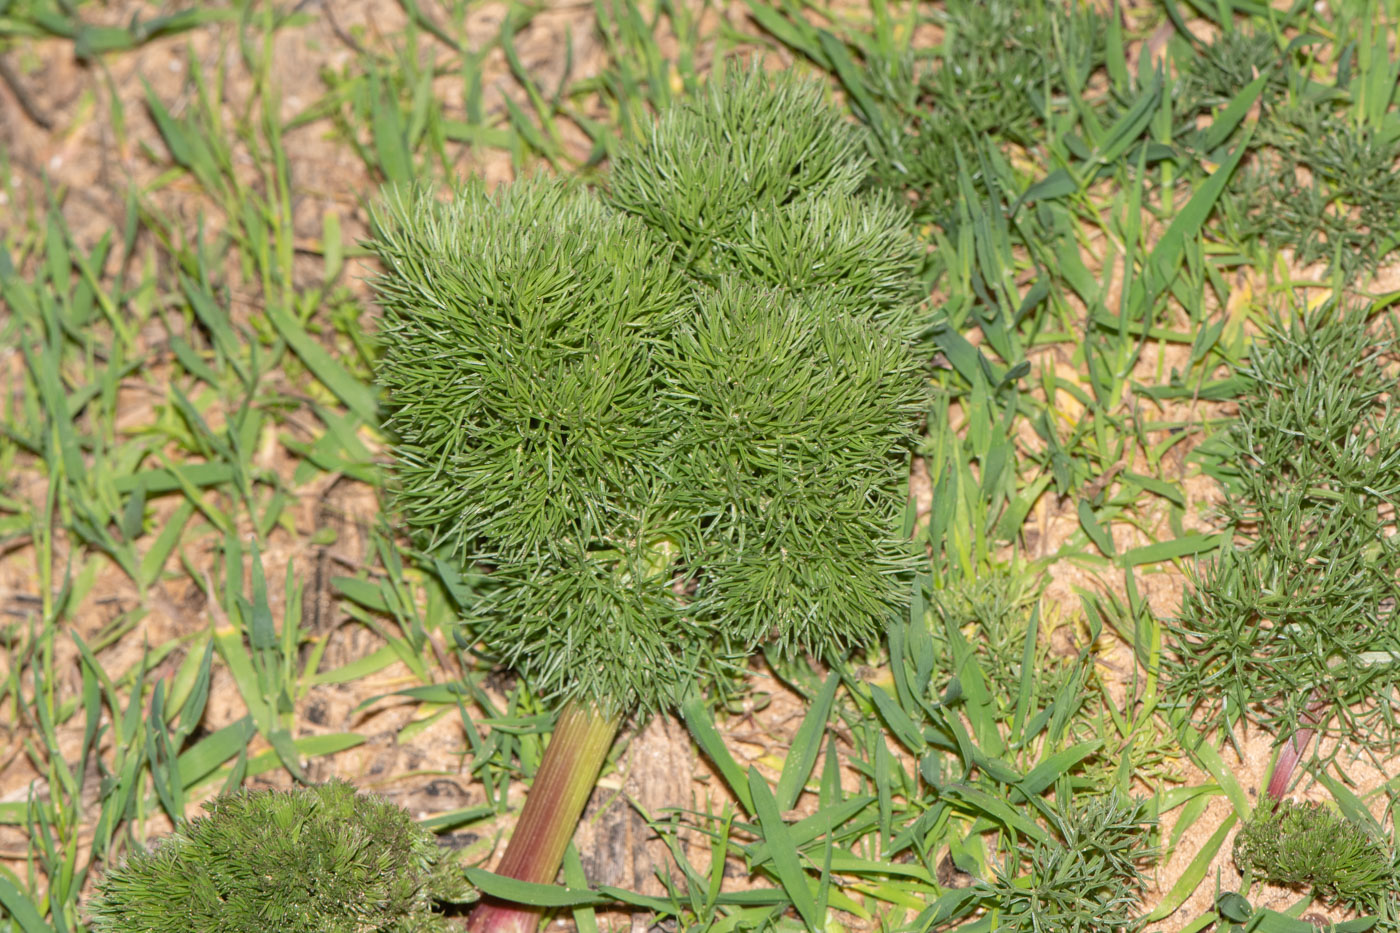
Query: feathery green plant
(521, 334)
(1319, 180)
(1309, 845)
(746, 145)
(1003, 68)
(319, 859)
(1297, 627)
(761, 178)
(1324, 186)
(1219, 70)
(1088, 879)
(671, 427)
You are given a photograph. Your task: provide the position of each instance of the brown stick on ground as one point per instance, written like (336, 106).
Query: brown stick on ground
(26, 103)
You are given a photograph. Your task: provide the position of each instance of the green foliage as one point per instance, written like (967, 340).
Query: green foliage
(238, 345)
(313, 859)
(1219, 70)
(717, 166)
(1320, 181)
(854, 252)
(27, 20)
(1325, 187)
(793, 422)
(1087, 879)
(666, 452)
(1001, 69)
(1304, 614)
(1310, 846)
(518, 342)
(993, 612)
(759, 177)
(521, 340)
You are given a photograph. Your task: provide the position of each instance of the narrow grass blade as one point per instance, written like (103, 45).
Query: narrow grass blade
(1044, 774)
(1233, 113)
(1130, 126)
(1167, 254)
(1090, 523)
(799, 36)
(1027, 691)
(21, 909)
(531, 893)
(390, 141)
(849, 75)
(585, 918)
(995, 809)
(1057, 184)
(811, 827)
(1210, 761)
(216, 320)
(1184, 546)
(311, 746)
(153, 561)
(806, 744)
(356, 396)
(1194, 874)
(212, 751)
(463, 816)
(702, 728)
(194, 475)
(784, 854)
(1352, 807)
(899, 722)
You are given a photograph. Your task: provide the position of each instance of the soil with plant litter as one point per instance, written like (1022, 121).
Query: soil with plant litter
(80, 161)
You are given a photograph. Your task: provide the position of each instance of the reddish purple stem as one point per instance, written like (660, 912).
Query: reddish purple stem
(1293, 749)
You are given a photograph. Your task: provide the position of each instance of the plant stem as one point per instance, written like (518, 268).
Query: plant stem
(566, 776)
(1293, 749)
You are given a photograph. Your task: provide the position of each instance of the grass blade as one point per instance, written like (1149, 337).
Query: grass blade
(702, 728)
(356, 396)
(1194, 874)
(21, 909)
(785, 862)
(806, 744)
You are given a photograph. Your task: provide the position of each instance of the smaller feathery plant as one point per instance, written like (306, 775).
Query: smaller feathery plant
(1313, 847)
(319, 859)
(1003, 69)
(1088, 878)
(1320, 179)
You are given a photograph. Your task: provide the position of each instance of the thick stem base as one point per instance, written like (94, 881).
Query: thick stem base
(566, 776)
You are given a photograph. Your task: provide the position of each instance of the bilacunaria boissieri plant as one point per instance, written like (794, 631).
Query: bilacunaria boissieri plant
(1311, 846)
(1295, 627)
(671, 425)
(1086, 878)
(317, 859)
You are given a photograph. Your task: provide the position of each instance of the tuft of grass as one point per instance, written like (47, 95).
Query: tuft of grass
(146, 405)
